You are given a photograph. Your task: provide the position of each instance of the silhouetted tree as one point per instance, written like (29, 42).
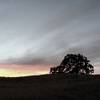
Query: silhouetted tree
(74, 64)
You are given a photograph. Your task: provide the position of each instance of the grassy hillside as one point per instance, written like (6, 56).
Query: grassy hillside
(50, 87)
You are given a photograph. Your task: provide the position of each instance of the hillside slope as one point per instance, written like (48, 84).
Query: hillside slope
(50, 87)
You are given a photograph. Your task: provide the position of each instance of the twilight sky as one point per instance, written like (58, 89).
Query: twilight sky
(37, 34)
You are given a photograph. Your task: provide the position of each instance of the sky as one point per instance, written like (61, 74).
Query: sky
(36, 34)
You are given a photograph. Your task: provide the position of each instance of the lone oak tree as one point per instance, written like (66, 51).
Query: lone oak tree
(74, 64)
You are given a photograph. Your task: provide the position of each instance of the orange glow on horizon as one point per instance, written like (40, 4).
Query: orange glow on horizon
(22, 70)
(12, 70)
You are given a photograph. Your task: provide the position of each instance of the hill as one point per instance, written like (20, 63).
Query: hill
(51, 87)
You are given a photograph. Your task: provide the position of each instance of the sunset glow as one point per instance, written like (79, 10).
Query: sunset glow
(22, 70)
(27, 70)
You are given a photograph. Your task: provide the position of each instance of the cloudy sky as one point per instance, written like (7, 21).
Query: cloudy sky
(37, 34)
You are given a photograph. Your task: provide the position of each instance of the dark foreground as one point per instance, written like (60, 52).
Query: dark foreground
(50, 87)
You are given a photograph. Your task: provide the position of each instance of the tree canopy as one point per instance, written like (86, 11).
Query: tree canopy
(74, 64)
